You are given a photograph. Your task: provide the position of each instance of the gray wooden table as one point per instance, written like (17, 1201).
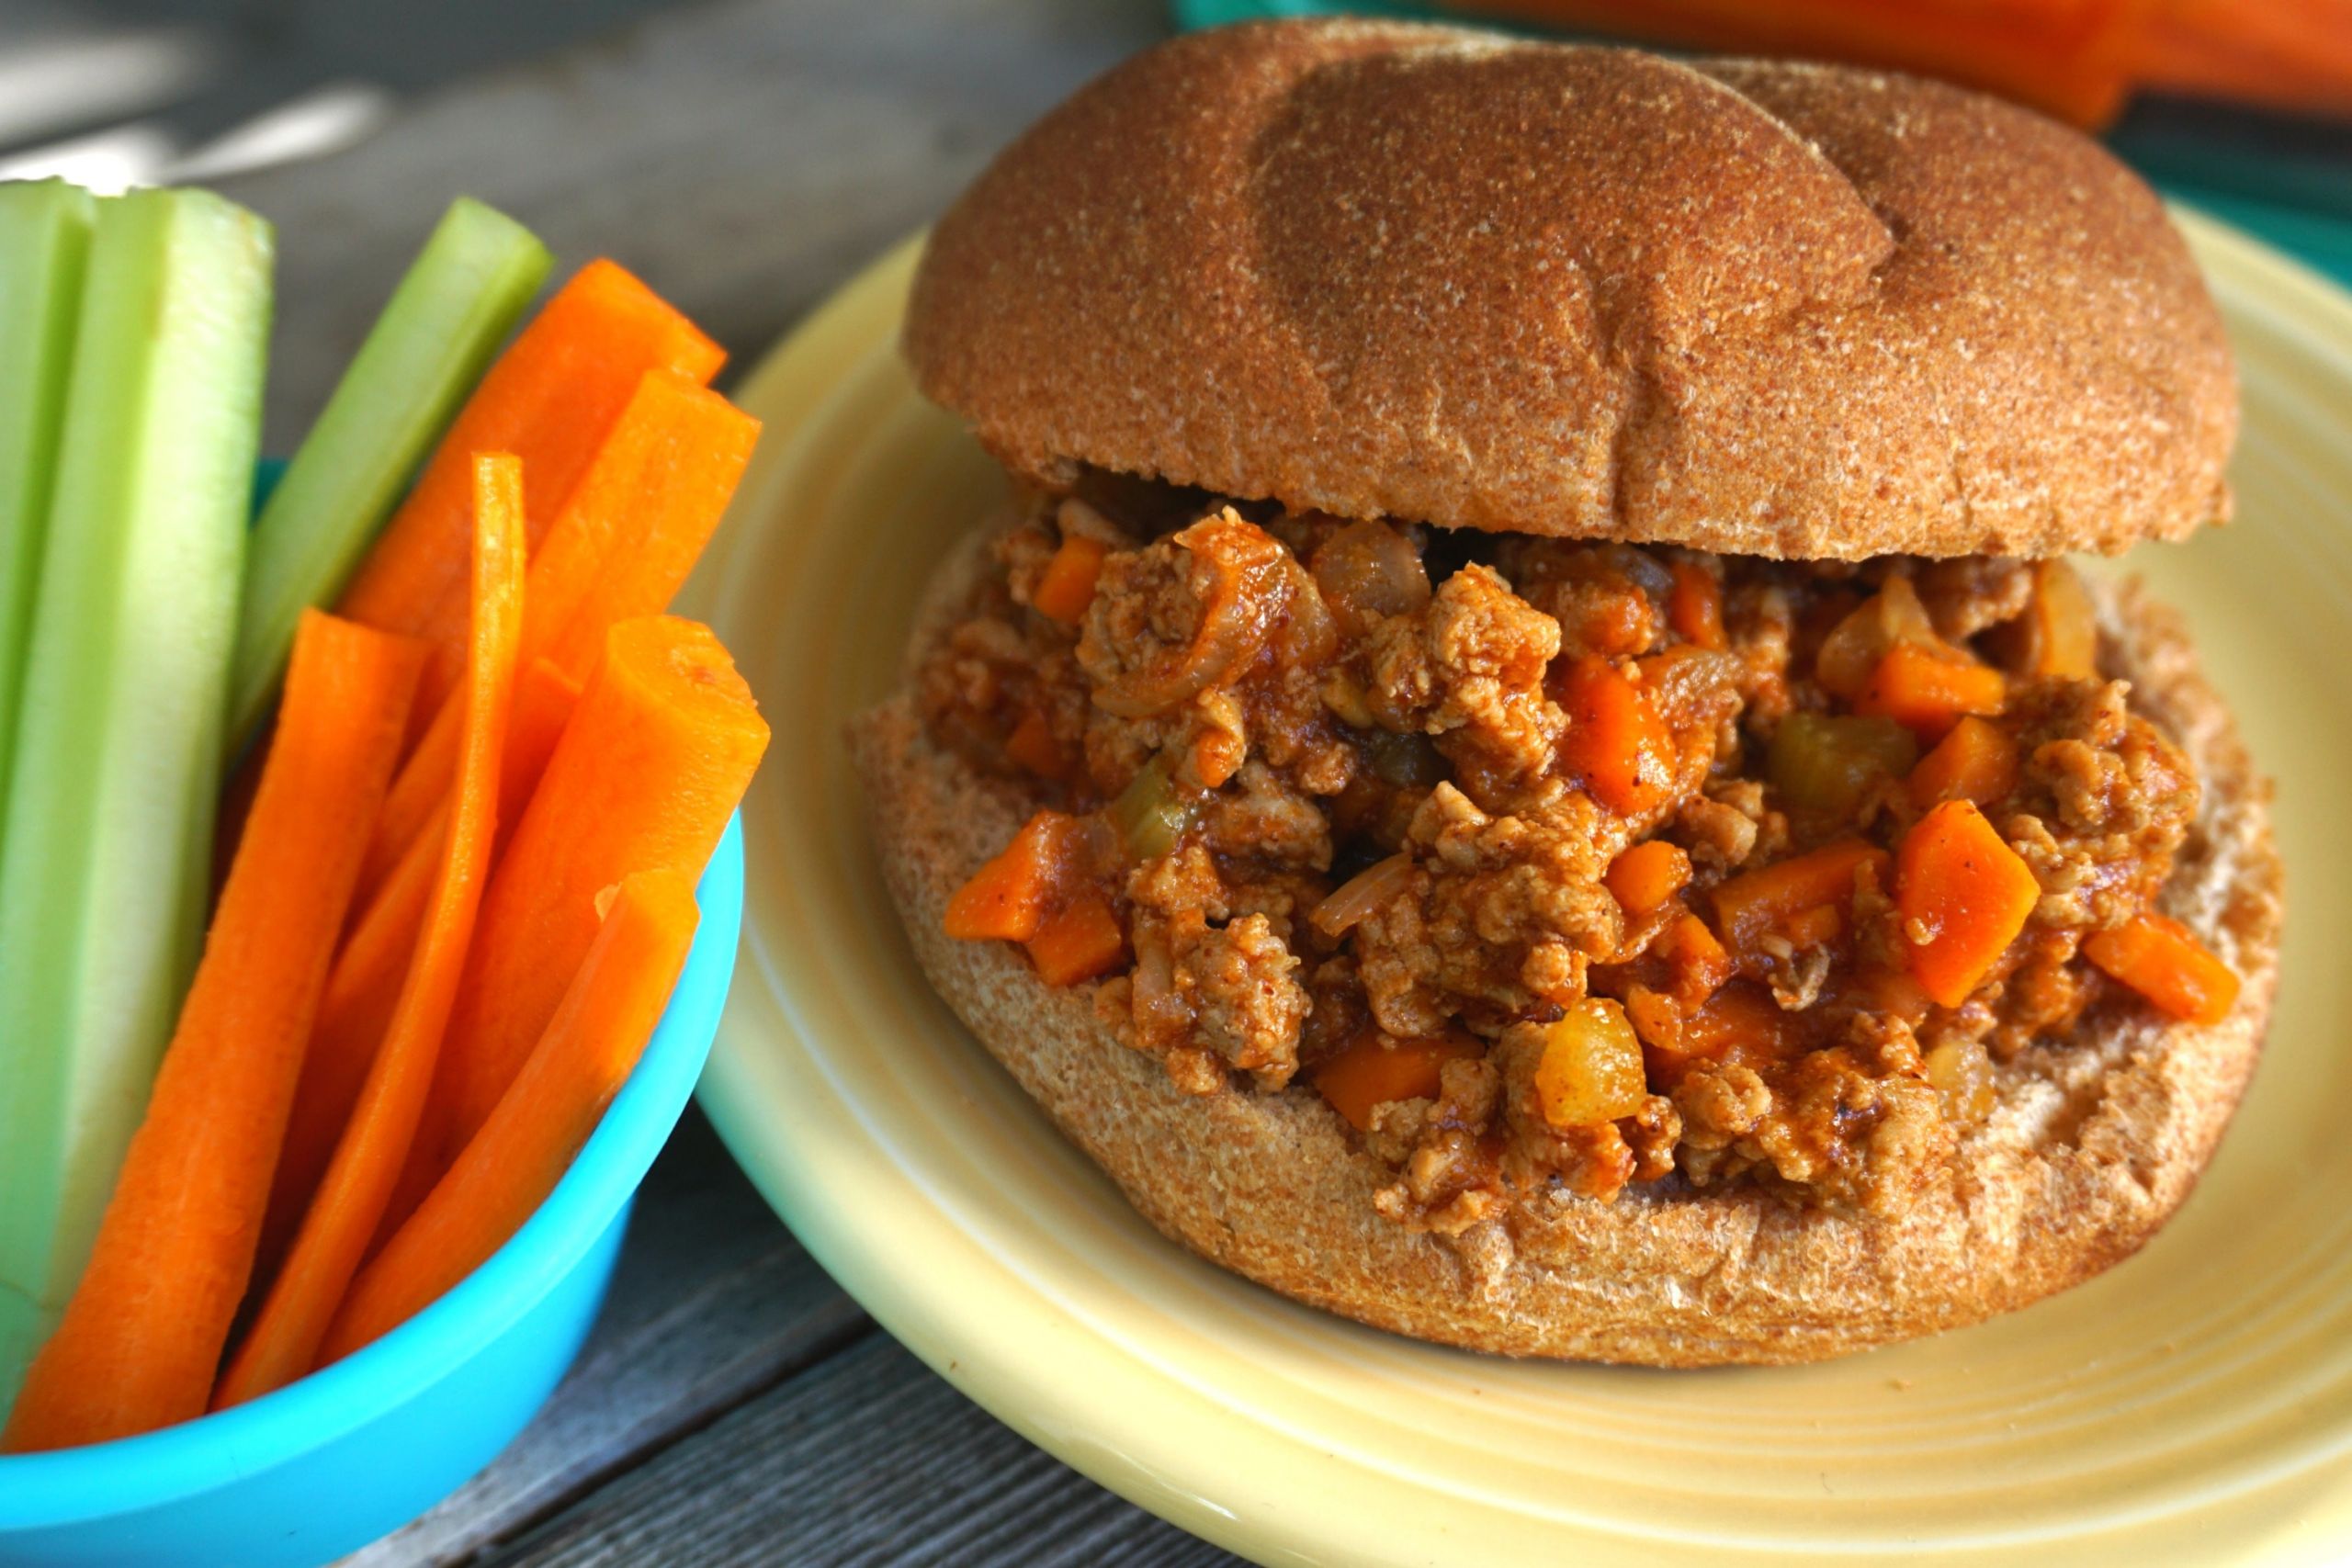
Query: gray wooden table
(734, 1404)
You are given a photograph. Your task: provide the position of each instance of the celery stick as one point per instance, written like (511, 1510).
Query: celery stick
(102, 871)
(44, 235)
(460, 296)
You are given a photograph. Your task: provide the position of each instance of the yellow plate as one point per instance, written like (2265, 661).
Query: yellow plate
(2195, 1405)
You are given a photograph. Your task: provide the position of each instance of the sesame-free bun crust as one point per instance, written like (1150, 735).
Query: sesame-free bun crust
(1767, 308)
(2093, 1144)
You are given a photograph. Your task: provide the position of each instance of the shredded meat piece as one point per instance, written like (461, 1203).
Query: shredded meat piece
(1281, 825)
(1448, 1167)
(1469, 670)
(1608, 599)
(1652, 1134)
(2043, 996)
(1247, 1002)
(1717, 832)
(1800, 977)
(1169, 627)
(1592, 1161)
(1762, 622)
(1148, 604)
(1831, 1122)
(1210, 999)
(1974, 593)
(1183, 880)
(1503, 912)
(2104, 803)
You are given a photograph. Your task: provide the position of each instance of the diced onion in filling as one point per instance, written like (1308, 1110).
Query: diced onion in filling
(1591, 1068)
(1362, 894)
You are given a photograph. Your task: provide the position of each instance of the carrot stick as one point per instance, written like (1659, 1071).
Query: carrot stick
(365, 985)
(632, 533)
(551, 399)
(506, 1172)
(363, 992)
(2292, 56)
(2067, 58)
(630, 545)
(659, 753)
(543, 705)
(302, 1300)
(141, 1340)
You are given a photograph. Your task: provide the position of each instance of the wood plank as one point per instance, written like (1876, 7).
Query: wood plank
(869, 1458)
(743, 157)
(713, 1302)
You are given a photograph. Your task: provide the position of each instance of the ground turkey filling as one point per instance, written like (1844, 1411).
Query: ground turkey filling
(1554, 865)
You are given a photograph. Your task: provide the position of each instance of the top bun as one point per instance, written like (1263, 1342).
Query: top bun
(1759, 308)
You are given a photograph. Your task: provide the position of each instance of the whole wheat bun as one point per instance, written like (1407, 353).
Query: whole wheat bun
(2096, 1141)
(1765, 309)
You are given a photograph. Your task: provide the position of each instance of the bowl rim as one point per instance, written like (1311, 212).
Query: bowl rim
(66, 1486)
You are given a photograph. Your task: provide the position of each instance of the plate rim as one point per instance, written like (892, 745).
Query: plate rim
(863, 1265)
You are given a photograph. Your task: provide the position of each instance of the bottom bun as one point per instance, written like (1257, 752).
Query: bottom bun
(2094, 1142)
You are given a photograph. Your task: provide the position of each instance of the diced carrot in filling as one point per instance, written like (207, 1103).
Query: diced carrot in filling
(1890, 993)
(1964, 896)
(1859, 642)
(1647, 874)
(1927, 692)
(1032, 746)
(2158, 957)
(1752, 905)
(1656, 1017)
(1078, 942)
(1616, 745)
(1741, 1022)
(1814, 927)
(1008, 898)
(1695, 607)
(1976, 761)
(1371, 1072)
(1700, 964)
(1068, 586)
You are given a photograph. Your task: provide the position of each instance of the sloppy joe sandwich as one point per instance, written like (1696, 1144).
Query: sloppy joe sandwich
(1524, 764)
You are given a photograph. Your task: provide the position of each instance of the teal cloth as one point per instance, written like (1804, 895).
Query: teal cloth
(2301, 205)
(2318, 240)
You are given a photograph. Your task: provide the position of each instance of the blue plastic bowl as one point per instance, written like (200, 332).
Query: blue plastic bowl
(331, 1463)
